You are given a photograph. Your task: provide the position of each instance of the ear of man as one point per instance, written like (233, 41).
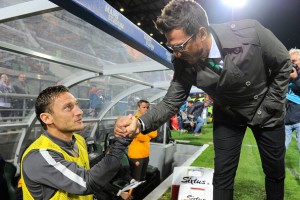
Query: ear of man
(202, 33)
(46, 118)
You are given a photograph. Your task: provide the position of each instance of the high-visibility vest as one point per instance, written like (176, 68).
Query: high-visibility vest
(45, 143)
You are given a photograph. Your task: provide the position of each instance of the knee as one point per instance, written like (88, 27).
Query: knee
(276, 179)
(223, 181)
(276, 174)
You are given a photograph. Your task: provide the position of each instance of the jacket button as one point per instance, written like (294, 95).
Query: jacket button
(255, 97)
(232, 26)
(259, 112)
(248, 83)
(236, 50)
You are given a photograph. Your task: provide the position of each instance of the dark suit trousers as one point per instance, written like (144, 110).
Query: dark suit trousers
(139, 172)
(227, 145)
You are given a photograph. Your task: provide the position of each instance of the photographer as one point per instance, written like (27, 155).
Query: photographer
(292, 118)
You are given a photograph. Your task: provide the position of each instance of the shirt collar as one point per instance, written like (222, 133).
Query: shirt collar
(214, 51)
(60, 142)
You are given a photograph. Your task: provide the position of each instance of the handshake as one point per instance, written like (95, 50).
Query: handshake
(127, 126)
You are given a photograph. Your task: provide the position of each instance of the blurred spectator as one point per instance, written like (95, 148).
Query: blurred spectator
(187, 122)
(95, 101)
(205, 113)
(21, 87)
(196, 115)
(181, 116)
(5, 101)
(174, 123)
(292, 117)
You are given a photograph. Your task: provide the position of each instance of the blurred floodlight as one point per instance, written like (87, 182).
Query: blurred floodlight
(235, 3)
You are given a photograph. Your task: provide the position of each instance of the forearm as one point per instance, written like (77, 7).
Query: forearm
(105, 170)
(169, 106)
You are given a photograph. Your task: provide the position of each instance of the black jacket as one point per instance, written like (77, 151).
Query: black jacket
(251, 88)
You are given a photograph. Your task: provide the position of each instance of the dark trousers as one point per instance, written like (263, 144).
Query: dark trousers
(227, 145)
(138, 168)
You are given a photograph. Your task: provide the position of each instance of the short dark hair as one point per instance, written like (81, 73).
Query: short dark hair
(187, 15)
(142, 101)
(46, 98)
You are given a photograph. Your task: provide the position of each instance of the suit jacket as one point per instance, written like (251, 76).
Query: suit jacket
(251, 87)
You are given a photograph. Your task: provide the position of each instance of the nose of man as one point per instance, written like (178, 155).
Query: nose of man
(78, 111)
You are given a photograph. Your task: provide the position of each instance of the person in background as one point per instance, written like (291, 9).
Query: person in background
(188, 123)
(245, 69)
(181, 117)
(292, 118)
(139, 149)
(95, 102)
(21, 87)
(196, 115)
(56, 165)
(5, 101)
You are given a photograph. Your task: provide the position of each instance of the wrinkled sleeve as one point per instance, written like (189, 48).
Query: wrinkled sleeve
(169, 106)
(277, 59)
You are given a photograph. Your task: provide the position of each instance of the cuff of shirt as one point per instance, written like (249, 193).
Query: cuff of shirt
(119, 193)
(143, 128)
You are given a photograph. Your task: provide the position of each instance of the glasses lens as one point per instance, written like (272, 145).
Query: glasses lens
(180, 48)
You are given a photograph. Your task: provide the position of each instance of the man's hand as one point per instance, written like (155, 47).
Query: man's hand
(127, 126)
(125, 195)
(134, 128)
(294, 73)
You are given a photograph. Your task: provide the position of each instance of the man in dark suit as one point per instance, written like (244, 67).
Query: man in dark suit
(245, 69)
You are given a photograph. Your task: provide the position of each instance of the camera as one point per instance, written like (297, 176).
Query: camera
(296, 68)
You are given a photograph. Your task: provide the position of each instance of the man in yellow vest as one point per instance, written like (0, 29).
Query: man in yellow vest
(56, 165)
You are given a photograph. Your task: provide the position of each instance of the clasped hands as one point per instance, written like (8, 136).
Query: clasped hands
(127, 126)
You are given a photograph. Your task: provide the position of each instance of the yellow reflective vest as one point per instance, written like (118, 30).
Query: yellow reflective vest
(45, 143)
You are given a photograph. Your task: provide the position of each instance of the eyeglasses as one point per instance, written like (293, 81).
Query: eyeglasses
(180, 48)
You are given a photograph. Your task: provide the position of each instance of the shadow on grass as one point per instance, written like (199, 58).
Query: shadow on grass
(291, 168)
(292, 162)
(249, 190)
(190, 139)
